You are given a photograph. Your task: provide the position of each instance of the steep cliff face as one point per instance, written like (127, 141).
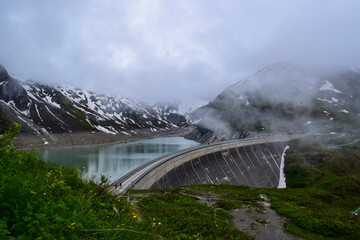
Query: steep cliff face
(46, 109)
(285, 98)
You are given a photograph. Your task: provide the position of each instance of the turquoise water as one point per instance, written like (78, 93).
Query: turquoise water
(115, 160)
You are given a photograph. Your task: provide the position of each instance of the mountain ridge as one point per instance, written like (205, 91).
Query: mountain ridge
(43, 109)
(283, 98)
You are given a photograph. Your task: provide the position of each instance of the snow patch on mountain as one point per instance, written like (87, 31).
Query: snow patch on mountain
(324, 100)
(105, 130)
(328, 87)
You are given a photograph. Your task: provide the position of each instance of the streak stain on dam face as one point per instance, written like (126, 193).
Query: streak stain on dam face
(255, 165)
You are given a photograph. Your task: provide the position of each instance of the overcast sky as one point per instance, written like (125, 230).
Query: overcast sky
(184, 50)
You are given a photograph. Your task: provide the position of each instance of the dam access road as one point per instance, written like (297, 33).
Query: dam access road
(253, 162)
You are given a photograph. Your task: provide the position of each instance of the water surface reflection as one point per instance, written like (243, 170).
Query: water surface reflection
(115, 160)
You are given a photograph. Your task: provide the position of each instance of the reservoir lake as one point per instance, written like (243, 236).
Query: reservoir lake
(115, 160)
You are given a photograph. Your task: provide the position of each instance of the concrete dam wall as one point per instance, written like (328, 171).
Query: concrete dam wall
(254, 162)
(254, 165)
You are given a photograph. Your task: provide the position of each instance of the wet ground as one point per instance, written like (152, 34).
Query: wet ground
(261, 225)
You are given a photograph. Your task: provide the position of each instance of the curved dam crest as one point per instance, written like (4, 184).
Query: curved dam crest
(252, 162)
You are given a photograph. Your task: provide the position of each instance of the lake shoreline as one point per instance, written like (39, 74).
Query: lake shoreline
(26, 141)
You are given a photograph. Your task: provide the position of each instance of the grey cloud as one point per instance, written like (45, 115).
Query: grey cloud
(154, 50)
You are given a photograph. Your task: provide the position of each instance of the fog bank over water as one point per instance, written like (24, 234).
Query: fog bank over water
(176, 50)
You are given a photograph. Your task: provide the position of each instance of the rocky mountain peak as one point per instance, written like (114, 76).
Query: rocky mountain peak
(3, 73)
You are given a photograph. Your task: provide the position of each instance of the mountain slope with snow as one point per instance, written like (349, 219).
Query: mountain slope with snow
(41, 108)
(284, 98)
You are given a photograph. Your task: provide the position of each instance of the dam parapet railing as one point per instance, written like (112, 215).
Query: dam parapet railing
(160, 166)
